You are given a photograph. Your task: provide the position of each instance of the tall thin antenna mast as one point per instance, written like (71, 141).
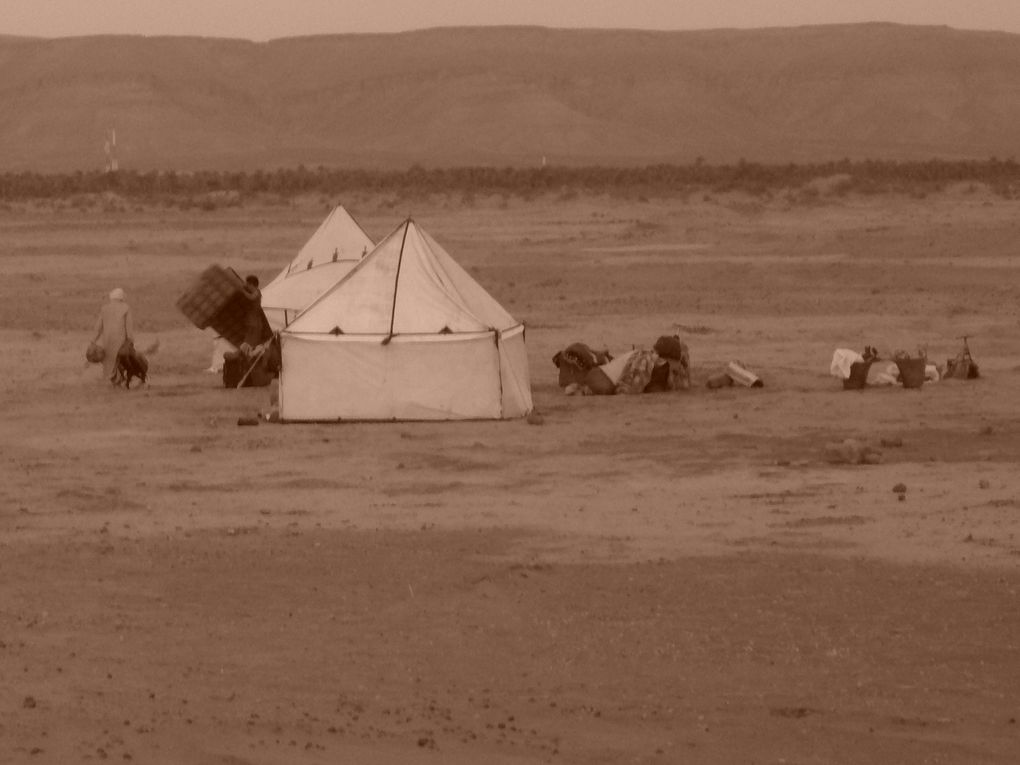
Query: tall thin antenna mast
(111, 150)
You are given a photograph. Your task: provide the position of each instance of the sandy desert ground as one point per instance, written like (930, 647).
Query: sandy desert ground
(671, 578)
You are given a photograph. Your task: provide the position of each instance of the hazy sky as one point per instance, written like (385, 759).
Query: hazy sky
(266, 19)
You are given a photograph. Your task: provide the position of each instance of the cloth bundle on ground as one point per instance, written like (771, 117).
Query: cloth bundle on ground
(844, 358)
(736, 373)
(637, 372)
(670, 347)
(666, 368)
(678, 358)
(862, 370)
(882, 372)
(575, 362)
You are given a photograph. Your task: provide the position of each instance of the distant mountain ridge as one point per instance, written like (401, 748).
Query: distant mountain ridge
(510, 96)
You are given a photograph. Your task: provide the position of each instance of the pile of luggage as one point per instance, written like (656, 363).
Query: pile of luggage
(666, 367)
(868, 369)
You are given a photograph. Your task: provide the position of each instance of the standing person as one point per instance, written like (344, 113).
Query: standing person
(255, 321)
(259, 351)
(113, 327)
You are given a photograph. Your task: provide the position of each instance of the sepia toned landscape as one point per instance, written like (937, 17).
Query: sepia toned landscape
(668, 578)
(792, 573)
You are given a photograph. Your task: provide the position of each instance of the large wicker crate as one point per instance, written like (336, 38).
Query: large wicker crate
(216, 300)
(208, 295)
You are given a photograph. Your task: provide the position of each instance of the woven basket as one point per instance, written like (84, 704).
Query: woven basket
(217, 300)
(858, 375)
(911, 372)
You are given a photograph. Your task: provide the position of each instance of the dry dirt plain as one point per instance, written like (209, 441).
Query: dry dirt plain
(672, 578)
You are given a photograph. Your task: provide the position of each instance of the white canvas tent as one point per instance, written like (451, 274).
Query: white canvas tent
(334, 249)
(406, 335)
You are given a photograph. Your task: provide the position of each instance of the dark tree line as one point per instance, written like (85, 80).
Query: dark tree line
(866, 176)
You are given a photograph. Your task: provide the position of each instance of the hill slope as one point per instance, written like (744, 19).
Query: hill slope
(510, 96)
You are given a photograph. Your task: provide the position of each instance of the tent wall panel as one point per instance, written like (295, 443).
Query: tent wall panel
(445, 377)
(514, 374)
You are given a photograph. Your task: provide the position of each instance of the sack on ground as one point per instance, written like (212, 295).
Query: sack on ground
(575, 361)
(598, 382)
(637, 373)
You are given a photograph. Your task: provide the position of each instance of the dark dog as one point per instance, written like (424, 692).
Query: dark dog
(130, 364)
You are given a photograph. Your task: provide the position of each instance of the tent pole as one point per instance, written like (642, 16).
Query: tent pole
(396, 280)
(499, 370)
